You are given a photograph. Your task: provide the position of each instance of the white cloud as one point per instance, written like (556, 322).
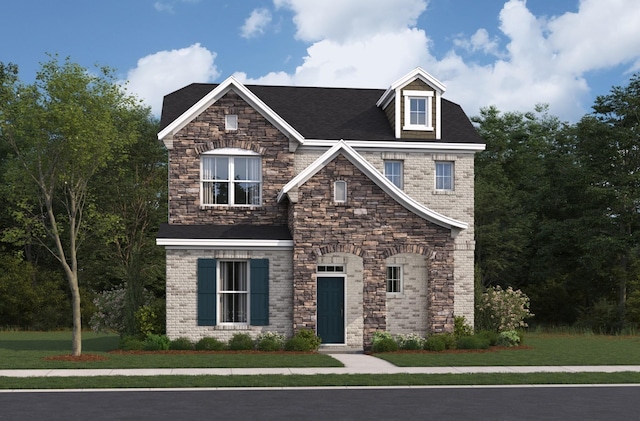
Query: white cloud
(164, 7)
(479, 41)
(349, 20)
(166, 71)
(256, 23)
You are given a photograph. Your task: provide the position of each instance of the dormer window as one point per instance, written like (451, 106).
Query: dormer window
(418, 110)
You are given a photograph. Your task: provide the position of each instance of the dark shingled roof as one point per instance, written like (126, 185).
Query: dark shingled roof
(237, 232)
(327, 113)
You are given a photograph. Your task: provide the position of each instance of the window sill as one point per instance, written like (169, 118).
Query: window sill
(418, 128)
(394, 295)
(445, 192)
(232, 327)
(250, 207)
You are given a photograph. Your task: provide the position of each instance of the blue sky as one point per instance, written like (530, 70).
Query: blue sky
(512, 54)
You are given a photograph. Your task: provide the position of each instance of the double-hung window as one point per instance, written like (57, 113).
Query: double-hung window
(393, 172)
(234, 292)
(417, 110)
(444, 176)
(231, 180)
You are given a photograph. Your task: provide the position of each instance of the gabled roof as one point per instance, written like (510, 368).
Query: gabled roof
(370, 171)
(312, 113)
(417, 73)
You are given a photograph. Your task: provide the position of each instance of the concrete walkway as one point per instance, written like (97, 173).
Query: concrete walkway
(353, 364)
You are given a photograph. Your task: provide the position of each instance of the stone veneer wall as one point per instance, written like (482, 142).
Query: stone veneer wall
(182, 290)
(207, 132)
(374, 227)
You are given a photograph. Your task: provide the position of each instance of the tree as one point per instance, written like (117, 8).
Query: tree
(62, 130)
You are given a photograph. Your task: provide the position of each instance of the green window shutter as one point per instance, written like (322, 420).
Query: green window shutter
(259, 292)
(207, 296)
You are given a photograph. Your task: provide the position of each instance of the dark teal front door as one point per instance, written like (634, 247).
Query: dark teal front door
(331, 310)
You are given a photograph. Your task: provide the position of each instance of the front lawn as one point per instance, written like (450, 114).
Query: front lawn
(41, 350)
(537, 349)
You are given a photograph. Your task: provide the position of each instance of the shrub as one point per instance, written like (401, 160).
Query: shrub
(303, 341)
(150, 319)
(385, 345)
(508, 338)
(502, 309)
(181, 344)
(490, 336)
(241, 342)
(411, 341)
(210, 344)
(461, 327)
(109, 315)
(156, 343)
(130, 343)
(439, 342)
(270, 341)
(473, 342)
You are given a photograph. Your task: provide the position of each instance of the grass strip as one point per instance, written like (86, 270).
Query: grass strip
(320, 380)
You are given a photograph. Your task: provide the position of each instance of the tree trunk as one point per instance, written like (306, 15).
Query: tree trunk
(76, 337)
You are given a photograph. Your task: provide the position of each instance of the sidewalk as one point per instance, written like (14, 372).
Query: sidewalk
(353, 364)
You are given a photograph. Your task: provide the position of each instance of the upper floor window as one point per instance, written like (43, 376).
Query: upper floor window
(393, 172)
(417, 110)
(231, 180)
(231, 122)
(444, 175)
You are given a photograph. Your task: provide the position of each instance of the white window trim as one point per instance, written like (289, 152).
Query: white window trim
(453, 176)
(426, 95)
(401, 281)
(231, 122)
(337, 199)
(219, 293)
(230, 153)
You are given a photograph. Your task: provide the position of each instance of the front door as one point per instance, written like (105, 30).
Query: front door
(331, 310)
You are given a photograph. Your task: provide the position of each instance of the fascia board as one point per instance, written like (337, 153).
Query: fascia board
(418, 72)
(224, 243)
(393, 144)
(217, 93)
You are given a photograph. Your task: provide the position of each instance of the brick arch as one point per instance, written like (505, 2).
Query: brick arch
(338, 248)
(229, 143)
(409, 249)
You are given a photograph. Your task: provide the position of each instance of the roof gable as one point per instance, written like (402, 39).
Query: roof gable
(218, 92)
(370, 171)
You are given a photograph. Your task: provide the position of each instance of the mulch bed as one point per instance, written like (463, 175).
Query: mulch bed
(79, 358)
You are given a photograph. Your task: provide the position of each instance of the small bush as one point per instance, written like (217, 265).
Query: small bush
(385, 345)
(181, 344)
(150, 319)
(303, 341)
(508, 338)
(410, 342)
(210, 344)
(269, 342)
(490, 336)
(130, 343)
(156, 343)
(473, 342)
(460, 327)
(436, 343)
(502, 309)
(241, 342)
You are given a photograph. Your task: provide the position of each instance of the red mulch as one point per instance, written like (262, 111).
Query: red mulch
(79, 358)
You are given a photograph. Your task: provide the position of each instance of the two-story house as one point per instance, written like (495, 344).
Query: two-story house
(344, 211)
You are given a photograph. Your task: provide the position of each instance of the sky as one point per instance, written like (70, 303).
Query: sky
(511, 54)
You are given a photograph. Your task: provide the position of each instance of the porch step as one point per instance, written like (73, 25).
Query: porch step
(339, 349)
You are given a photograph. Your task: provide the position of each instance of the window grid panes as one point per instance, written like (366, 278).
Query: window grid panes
(418, 111)
(244, 188)
(393, 172)
(233, 292)
(394, 279)
(444, 175)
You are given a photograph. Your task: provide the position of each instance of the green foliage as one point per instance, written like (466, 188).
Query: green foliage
(502, 309)
(304, 340)
(601, 317)
(270, 341)
(461, 327)
(131, 343)
(181, 344)
(440, 342)
(491, 336)
(156, 343)
(472, 342)
(241, 342)
(151, 319)
(410, 342)
(210, 344)
(509, 338)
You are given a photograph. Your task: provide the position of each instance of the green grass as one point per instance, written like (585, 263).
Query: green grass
(29, 350)
(352, 380)
(538, 349)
